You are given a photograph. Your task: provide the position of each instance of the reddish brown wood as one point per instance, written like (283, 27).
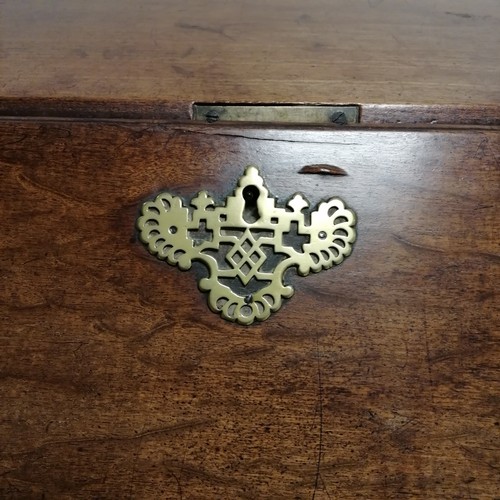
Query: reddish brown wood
(95, 109)
(340, 51)
(432, 116)
(378, 379)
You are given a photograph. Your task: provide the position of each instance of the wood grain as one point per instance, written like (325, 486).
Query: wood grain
(378, 379)
(332, 51)
(380, 115)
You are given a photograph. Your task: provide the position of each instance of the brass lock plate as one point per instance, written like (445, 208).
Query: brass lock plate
(247, 243)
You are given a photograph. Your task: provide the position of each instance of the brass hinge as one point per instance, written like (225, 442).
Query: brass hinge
(263, 113)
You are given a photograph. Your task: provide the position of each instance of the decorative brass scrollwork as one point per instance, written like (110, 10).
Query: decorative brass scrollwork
(248, 243)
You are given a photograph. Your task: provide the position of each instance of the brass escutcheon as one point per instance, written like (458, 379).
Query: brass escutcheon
(248, 243)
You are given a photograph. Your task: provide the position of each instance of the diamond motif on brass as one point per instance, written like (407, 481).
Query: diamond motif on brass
(248, 243)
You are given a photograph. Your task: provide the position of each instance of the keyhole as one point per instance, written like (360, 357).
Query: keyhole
(250, 211)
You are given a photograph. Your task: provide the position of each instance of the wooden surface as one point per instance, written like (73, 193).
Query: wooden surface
(378, 115)
(333, 51)
(378, 379)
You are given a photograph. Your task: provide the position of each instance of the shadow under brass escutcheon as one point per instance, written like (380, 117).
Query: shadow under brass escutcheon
(247, 244)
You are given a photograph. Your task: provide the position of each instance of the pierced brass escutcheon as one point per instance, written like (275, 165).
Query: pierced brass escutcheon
(247, 244)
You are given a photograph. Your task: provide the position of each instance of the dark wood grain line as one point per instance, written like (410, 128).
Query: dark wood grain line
(109, 438)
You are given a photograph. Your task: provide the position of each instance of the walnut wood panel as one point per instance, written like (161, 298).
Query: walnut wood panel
(378, 379)
(341, 51)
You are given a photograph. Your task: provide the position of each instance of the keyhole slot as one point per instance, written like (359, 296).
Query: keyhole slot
(250, 211)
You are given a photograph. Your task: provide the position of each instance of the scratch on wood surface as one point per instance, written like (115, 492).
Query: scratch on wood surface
(197, 471)
(28, 184)
(16, 141)
(428, 356)
(187, 73)
(491, 256)
(411, 244)
(187, 52)
(250, 351)
(460, 14)
(152, 332)
(208, 29)
(494, 154)
(474, 455)
(134, 437)
(270, 139)
(179, 485)
(481, 148)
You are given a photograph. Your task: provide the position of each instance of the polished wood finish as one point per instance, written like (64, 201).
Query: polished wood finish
(332, 51)
(378, 379)
(393, 115)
